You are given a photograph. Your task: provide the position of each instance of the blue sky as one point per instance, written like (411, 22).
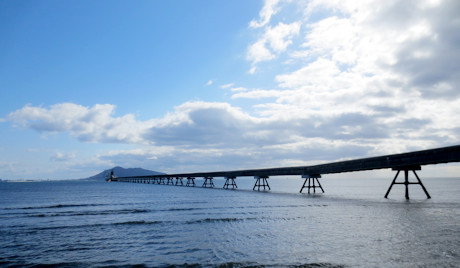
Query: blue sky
(186, 86)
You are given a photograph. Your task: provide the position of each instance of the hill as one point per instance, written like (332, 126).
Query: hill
(123, 172)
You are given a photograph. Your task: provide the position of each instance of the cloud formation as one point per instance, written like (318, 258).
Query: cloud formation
(88, 124)
(356, 80)
(275, 40)
(392, 62)
(269, 9)
(62, 157)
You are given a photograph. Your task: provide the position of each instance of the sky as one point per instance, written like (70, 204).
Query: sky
(195, 86)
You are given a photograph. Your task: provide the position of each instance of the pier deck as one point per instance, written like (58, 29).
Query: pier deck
(410, 161)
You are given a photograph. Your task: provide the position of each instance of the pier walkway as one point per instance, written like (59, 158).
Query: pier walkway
(405, 162)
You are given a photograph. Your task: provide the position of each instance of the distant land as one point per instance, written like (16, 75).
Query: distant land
(123, 172)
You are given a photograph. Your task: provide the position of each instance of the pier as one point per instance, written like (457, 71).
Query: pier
(407, 163)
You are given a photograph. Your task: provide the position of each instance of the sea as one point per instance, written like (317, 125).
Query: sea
(119, 224)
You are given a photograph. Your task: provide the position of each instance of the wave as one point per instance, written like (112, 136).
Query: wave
(182, 209)
(138, 223)
(282, 206)
(56, 206)
(90, 213)
(45, 265)
(95, 225)
(208, 220)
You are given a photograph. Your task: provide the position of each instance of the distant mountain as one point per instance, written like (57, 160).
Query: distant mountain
(123, 172)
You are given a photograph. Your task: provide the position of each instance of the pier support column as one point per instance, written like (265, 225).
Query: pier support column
(208, 181)
(261, 181)
(311, 182)
(406, 180)
(190, 181)
(170, 181)
(230, 181)
(179, 180)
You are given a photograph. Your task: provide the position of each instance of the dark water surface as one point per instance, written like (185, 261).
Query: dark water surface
(98, 224)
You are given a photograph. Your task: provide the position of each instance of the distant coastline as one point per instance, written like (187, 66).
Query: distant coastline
(26, 181)
(118, 171)
(122, 172)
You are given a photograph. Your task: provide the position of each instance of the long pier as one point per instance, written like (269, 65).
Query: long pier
(404, 162)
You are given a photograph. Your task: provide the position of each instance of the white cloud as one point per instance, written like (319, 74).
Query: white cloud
(210, 82)
(280, 36)
(238, 89)
(257, 52)
(225, 86)
(61, 157)
(257, 94)
(95, 124)
(320, 73)
(269, 9)
(275, 40)
(334, 35)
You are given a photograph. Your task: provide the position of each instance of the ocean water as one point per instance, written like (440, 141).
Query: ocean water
(100, 224)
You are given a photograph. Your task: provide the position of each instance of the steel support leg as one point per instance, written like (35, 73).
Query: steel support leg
(208, 181)
(190, 181)
(319, 184)
(392, 183)
(421, 184)
(310, 179)
(261, 181)
(406, 182)
(230, 181)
